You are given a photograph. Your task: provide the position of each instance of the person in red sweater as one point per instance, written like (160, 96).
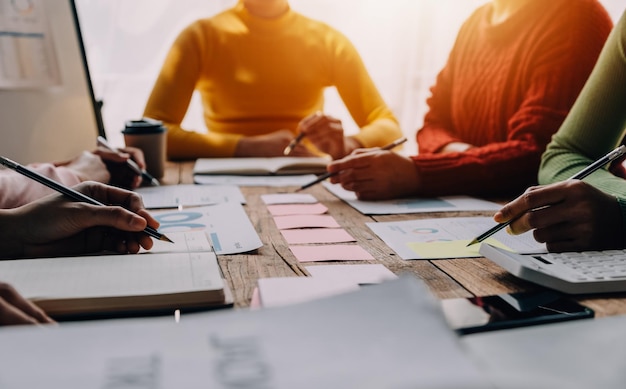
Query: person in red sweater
(514, 72)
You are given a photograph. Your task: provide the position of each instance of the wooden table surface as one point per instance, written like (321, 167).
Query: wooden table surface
(450, 278)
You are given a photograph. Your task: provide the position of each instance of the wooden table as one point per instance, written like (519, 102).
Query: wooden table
(463, 277)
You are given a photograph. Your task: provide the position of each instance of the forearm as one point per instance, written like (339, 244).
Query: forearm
(497, 169)
(18, 190)
(182, 144)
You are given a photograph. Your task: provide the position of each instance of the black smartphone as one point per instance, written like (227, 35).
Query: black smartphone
(480, 314)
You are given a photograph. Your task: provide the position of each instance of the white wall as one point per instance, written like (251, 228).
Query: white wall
(404, 43)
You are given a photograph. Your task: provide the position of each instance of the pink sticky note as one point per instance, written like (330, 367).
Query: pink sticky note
(297, 209)
(317, 235)
(305, 221)
(335, 252)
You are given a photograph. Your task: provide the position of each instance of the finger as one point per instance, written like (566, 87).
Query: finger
(10, 315)
(110, 155)
(108, 216)
(350, 162)
(559, 233)
(136, 155)
(519, 226)
(309, 120)
(534, 197)
(12, 297)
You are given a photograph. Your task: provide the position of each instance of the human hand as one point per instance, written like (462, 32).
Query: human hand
(269, 145)
(376, 174)
(326, 133)
(568, 216)
(88, 167)
(115, 161)
(55, 226)
(15, 309)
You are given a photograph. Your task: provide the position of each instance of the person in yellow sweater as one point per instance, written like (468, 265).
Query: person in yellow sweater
(261, 69)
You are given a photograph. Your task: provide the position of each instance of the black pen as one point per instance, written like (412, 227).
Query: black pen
(69, 192)
(324, 176)
(131, 164)
(610, 157)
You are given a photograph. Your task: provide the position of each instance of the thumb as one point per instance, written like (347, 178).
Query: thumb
(115, 217)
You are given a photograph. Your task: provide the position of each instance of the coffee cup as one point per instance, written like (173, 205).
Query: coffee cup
(148, 135)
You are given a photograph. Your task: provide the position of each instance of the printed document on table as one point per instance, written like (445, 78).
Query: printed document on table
(442, 238)
(391, 335)
(174, 196)
(412, 205)
(226, 224)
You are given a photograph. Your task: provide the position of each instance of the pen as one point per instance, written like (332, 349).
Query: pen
(69, 192)
(131, 164)
(610, 157)
(324, 176)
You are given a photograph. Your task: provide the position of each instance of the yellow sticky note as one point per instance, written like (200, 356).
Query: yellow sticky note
(450, 249)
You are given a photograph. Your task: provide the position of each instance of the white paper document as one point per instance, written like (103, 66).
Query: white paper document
(226, 224)
(448, 237)
(412, 205)
(391, 335)
(174, 196)
(112, 275)
(578, 354)
(281, 291)
(182, 242)
(272, 181)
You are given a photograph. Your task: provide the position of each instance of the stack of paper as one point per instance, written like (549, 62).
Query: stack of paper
(385, 336)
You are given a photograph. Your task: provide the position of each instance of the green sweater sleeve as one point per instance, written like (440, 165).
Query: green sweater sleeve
(596, 123)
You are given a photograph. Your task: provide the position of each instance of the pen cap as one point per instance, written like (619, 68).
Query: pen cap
(148, 135)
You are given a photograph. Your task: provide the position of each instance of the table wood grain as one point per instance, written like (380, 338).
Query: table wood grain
(452, 278)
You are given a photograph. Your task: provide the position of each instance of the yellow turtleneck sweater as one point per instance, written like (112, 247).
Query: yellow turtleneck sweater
(256, 76)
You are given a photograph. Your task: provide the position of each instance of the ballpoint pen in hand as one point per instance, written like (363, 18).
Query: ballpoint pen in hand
(131, 164)
(69, 192)
(610, 157)
(324, 176)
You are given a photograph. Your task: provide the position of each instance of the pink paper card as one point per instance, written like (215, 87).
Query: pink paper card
(305, 221)
(297, 209)
(317, 235)
(288, 198)
(336, 252)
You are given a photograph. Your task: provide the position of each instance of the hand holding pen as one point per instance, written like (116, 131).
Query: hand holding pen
(130, 163)
(324, 176)
(75, 195)
(560, 211)
(325, 133)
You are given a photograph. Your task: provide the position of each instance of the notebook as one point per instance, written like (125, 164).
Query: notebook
(573, 273)
(261, 166)
(118, 284)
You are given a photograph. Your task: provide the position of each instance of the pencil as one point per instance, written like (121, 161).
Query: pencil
(610, 157)
(324, 176)
(294, 142)
(69, 192)
(131, 164)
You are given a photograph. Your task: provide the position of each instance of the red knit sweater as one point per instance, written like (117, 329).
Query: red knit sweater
(506, 89)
